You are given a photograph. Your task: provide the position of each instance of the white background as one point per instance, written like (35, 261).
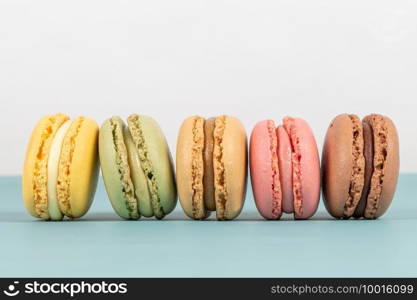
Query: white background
(173, 58)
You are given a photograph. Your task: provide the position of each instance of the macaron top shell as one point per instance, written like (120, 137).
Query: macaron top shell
(386, 165)
(156, 163)
(230, 167)
(306, 167)
(78, 168)
(34, 179)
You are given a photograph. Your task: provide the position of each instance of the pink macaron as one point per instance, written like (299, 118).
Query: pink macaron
(285, 169)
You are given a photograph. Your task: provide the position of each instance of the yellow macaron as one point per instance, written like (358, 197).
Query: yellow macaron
(61, 167)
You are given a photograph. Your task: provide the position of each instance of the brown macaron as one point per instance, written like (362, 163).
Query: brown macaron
(212, 167)
(360, 166)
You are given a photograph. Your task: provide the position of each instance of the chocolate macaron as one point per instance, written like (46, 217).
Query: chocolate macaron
(212, 167)
(360, 166)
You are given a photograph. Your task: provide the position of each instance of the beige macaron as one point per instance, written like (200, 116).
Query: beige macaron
(212, 167)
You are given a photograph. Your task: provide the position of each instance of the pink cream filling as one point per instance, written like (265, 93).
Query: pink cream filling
(285, 169)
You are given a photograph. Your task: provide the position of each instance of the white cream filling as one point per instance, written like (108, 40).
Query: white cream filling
(53, 162)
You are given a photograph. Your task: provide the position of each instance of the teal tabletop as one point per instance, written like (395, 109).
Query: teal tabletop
(102, 245)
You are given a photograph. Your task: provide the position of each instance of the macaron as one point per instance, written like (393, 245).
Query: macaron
(285, 169)
(212, 167)
(61, 167)
(137, 167)
(360, 166)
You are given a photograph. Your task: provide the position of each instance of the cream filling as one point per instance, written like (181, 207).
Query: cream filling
(138, 177)
(55, 213)
(220, 185)
(136, 131)
(296, 165)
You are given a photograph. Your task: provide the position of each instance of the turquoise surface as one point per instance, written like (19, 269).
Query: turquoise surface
(102, 245)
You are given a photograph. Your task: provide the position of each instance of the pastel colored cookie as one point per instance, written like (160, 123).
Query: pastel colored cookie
(137, 167)
(285, 169)
(61, 167)
(212, 167)
(360, 166)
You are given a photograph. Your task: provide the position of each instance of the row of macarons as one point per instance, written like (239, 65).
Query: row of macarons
(358, 173)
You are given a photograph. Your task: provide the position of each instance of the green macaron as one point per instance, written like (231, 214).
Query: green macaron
(137, 167)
